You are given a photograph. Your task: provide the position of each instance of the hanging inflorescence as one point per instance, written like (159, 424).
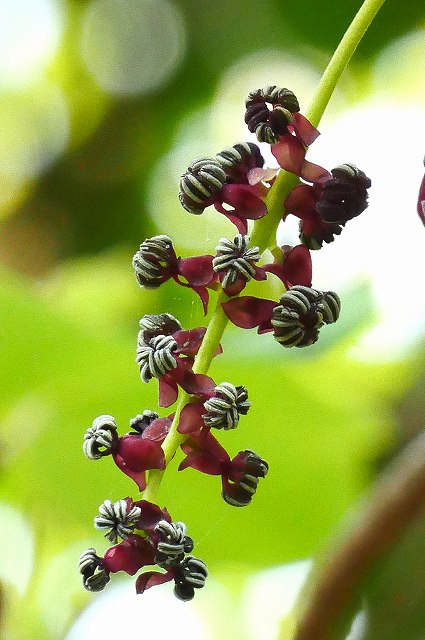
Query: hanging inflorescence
(236, 183)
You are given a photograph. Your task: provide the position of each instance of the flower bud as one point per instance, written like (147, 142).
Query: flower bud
(152, 261)
(202, 181)
(345, 195)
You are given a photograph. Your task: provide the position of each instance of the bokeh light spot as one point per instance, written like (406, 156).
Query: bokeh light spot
(30, 32)
(132, 46)
(35, 131)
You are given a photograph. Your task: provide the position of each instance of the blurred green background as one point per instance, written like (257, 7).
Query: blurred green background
(103, 104)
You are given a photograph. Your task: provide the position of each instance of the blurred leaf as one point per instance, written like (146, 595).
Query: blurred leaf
(59, 376)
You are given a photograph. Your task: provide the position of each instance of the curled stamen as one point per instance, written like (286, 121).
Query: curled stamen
(224, 408)
(156, 357)
(101, 438)
(117, 519)
(95, 576)
(235, 260)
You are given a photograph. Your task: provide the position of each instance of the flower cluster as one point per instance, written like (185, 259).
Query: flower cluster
(159, 541)
(237, 184)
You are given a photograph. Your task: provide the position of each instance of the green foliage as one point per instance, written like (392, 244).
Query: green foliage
(60, 375)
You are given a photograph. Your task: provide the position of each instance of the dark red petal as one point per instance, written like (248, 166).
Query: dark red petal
(236, 287)
(203, 462)
(421, 201)
(290, 153)
(304, 129)
(248, 312)
(197, 384)
(301, 201)
(203, 441)
(204, 296)
(150, 516)
(198, 270)
(168, 390)
(151, 579)
(188, 342)
(139, 477)
(297, 267)
(314, 172)
(265, 327)
(129, 555)
(191, 418)
(245, 199)
(158, 429)
(241, 224)
(139, 454)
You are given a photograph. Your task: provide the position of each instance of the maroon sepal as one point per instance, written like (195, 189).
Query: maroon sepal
(189, 342)
(249, 312)
(158, 429)
(197, 271)
(198, 274)
(168, 390)
(303, 129)
(150, 515)
(205, 454)
(151, 579)
(130, 555)
(247, 202)
(294, 267)
(290, 154)
(197, 384)
(301, 202)
(191, 418)
(135, 454)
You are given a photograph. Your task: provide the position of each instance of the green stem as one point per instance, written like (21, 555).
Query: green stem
(265, 228)
(202, 363)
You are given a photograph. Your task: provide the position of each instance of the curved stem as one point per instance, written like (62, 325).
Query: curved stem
(266, 227)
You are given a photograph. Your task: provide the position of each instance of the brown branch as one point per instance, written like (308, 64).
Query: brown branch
(396, 500)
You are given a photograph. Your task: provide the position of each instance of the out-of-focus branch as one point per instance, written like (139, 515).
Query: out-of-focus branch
(396, 501)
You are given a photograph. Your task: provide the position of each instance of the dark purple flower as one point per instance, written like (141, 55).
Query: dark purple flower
(134, 453)
(239, 476)
(241, 484)
(295, 320)
(325, 206)
(117, 519)
(222, 181)
(344, 195)
(269, 124)
(156, 262)
(94, 573)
